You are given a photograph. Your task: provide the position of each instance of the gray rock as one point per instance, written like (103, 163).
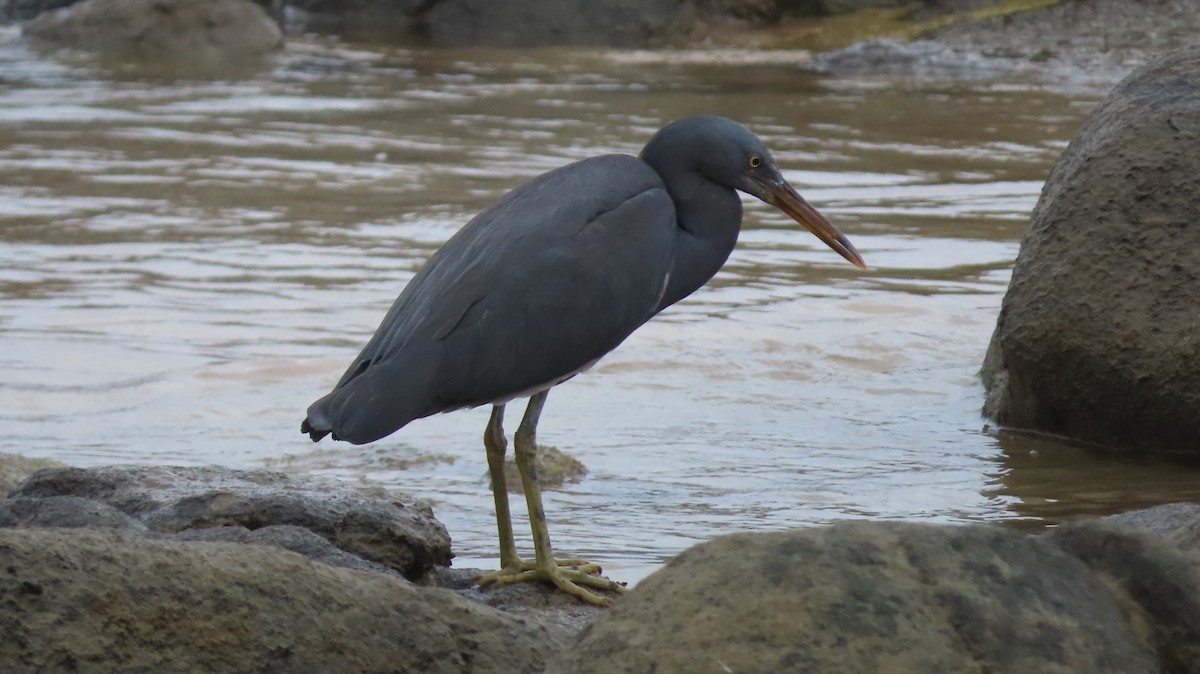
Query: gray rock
(523, 23)
(867, 597)
(214, 33)
(920, 58)
(390, 529)
(1178, 522)
(68, 512)
(286, 536)
(1155, 582)
(1097, 338)
(91, 601)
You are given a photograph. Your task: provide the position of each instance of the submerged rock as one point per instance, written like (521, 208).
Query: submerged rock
(384, 528)
(1097, 338)
(871, 597)
(114, 601)
(920, 58)
(184, 33)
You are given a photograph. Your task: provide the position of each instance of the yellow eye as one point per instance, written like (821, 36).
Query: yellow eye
(755, 161)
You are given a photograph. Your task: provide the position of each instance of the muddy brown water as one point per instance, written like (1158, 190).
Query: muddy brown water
(186, 265)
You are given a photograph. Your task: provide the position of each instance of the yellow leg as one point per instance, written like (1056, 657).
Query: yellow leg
(568, 575)
(493, 440)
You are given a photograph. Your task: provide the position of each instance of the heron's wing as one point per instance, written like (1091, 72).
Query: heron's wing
(543, 283)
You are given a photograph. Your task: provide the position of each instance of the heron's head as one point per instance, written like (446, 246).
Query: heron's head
(729, 154)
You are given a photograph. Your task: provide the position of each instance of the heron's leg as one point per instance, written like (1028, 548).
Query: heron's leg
(569, 575)
(497, 446)
(569, 580)
(510, 561)
(525, 450)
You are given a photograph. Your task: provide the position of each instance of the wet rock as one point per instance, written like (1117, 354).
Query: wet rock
(385, 528)
(867, 597)
(216, 33)
(75, 600)
(1097, 338)
(555, 468)
(1178, 522)
(920, 58)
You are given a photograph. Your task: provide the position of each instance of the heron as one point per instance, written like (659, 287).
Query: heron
(540, 286)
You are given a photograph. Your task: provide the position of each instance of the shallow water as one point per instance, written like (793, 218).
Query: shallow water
(187, 265)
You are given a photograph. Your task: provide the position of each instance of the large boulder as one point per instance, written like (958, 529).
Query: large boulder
(874, 597)
(217, 33)
(385, 528)
(107, 601)
(1097, 338)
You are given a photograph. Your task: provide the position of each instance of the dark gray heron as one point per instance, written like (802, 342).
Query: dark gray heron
(541, 285)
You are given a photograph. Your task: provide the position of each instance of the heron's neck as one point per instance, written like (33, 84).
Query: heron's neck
(709, 218)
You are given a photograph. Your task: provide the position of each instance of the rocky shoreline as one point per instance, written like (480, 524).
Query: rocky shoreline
(1065, 41)
(174, 569)
(1069, 43)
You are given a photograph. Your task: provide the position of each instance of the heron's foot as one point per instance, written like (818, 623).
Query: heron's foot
(570, 575)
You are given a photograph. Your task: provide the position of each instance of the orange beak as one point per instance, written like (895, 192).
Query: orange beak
(783, 196)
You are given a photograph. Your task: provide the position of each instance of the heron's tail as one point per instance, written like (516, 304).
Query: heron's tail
(321, 419)
(314, 432)
(378, 400)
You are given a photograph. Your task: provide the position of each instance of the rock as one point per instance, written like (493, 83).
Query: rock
(75, 600)
(1178, 522)
(1094, 35)
(68, 512)
(868, 597)
(524, 23)
(389, 529)
(1154, 581)
(14, 468)
(555, 468)
(919, 58)
(288, 537)
(611, 22)
(216, 33)
(1097, 338)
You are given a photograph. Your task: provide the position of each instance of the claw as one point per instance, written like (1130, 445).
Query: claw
(568, 575)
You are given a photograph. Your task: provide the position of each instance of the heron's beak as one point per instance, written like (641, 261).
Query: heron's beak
(783, 196)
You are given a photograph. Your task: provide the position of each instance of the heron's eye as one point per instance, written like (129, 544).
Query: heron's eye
(755, 161)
